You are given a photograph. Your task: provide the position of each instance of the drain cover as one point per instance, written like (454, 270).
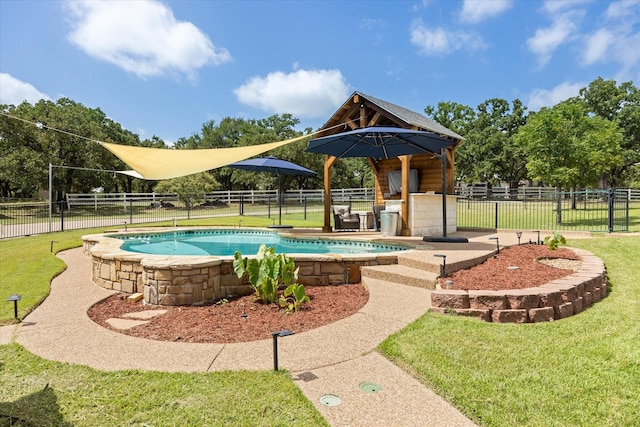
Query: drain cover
(330, 400)
(370, 387)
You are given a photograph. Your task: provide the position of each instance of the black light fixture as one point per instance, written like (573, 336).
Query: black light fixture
(283, 333)
(51, 246)
(537, 231)
(15, 298)
(443, 267)
(519, 234)
(497, 243)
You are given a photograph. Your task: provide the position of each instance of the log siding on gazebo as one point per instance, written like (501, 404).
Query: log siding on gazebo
(362, 110)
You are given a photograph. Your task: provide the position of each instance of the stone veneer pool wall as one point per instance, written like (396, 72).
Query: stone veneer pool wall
(555, 300)
(196, 280)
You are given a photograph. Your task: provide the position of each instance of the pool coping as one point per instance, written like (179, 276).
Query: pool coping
(198, 279)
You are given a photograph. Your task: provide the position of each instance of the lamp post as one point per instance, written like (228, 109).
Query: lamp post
(443, 267)
(15, 298)
(497, 243)
(275, 335)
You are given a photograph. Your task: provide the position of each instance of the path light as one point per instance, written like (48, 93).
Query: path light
(537, 231)
(51, 246)
(275, 335)
(448, 284)
(15, 298)
(443, 267)
(519, 234)
(497, 243)
(125, 225)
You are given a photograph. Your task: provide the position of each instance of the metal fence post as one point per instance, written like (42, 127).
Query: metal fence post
(610, 208)
(61, 215)
(130, 211)
(268, 206)
(496, 215)
(304, 200)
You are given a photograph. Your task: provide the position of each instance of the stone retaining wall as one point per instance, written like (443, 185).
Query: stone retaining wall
(196, 280)
(555, 300)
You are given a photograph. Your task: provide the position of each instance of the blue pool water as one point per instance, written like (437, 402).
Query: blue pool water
(226, 242)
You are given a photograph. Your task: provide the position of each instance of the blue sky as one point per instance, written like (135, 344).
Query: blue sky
(164, 68)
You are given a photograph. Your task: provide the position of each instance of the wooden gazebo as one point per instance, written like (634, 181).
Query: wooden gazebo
(362, 110)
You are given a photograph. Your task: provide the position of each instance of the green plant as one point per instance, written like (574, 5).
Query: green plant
(554, 241)
(294, 296)
(267, 272)
(222, 302)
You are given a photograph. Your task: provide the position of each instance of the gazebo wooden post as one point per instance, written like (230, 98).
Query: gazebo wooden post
(329, 161)
(406, 167)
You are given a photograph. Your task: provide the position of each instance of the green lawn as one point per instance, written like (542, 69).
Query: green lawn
(38, 392)
(580, 371)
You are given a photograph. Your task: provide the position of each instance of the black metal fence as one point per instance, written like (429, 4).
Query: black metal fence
(21, 219)
(588, 210)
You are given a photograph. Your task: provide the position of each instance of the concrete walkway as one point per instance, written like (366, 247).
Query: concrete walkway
(332, 360)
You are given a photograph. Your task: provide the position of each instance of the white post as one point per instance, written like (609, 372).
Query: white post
(50, 194)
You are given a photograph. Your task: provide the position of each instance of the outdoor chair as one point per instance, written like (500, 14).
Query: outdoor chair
(344, 219)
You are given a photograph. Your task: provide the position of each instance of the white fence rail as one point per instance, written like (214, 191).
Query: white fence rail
(229, 197)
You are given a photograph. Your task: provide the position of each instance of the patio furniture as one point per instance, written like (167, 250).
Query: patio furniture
(376, 213)
(344, 219)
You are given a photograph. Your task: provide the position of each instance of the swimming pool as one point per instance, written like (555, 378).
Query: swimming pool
(225, 242)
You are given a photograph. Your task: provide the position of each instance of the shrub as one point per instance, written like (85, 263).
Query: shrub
(267, 272)
(554, 241)
(294, 296)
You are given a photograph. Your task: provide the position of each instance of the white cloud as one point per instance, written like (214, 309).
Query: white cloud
(547, 40)
(474, 11)
(15, 92)
(547, 98)
(597, 45)
(142, 37)
(303, 93)
(615, 39)
(440, 41)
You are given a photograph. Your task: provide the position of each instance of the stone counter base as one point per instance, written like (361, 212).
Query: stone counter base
(555, 300)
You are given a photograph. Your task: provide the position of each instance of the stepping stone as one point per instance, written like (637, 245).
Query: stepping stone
(135, 297)
(123, 324)
(144, 315)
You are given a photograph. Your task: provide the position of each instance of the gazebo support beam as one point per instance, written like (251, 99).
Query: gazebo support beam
(406, 167)
(329, 161)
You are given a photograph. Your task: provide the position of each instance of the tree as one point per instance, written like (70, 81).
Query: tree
(619, 104)
(568, 148)
(490, 147)
(189, 188)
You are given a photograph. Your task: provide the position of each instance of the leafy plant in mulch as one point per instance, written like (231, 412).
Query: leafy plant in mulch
(554, 241)
(268, 272)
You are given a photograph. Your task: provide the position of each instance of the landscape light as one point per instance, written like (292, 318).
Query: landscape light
(519, 234)
(497, 243)
(15, 298)
(537, 231)
(443, 267)
(275, 335)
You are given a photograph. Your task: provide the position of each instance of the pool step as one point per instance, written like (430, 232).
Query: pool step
(426, 261)
(401, 274)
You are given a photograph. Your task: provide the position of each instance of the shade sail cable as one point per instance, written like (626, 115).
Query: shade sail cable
(165, 163)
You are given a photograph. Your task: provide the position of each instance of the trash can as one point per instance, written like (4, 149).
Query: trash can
(389, 223)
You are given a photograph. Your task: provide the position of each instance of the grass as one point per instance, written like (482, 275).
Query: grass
(39, 392)
(581, 371)
(35, 391)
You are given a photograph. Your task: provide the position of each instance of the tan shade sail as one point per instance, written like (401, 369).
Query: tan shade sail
(163, 163)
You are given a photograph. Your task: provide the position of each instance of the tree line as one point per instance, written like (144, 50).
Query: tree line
(592, 137)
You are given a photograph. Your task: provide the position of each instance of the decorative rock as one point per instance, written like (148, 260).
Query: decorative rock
(564, 310)
(490, 300)
(544, 314)
(450, 298)
(509, 316)
(519, 299)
